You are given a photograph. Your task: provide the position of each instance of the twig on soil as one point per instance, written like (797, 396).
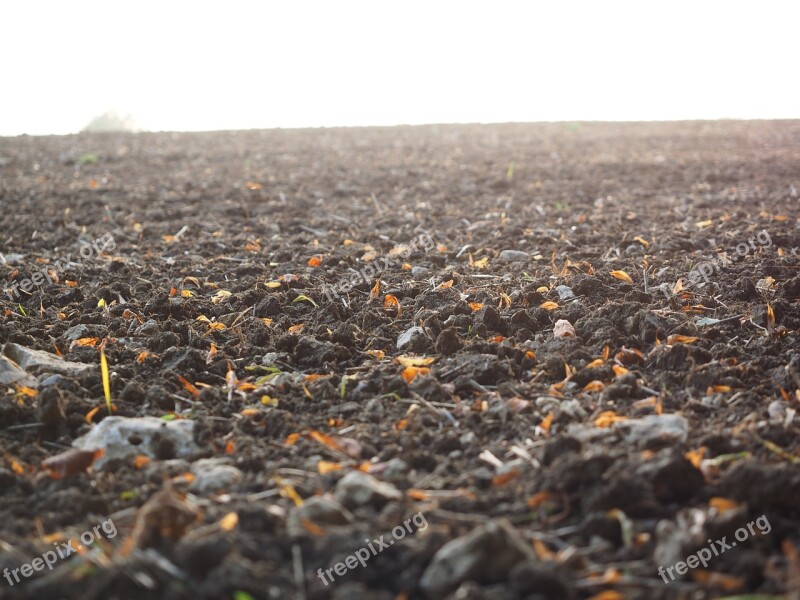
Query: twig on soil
(442, 414)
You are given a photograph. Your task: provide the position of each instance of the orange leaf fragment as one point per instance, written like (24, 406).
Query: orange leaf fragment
(296, 328)
(549, 305)
(410, 373)
(389, 301)
(446, 284)
(618, 370)
(401, 424)
(212, 352)
(770, 317)
(720, 389)
(542, 551)
(142, 356)
(375, 292)
(547, 421)
(315, 261)
(87, 341)
(696, 456)
(540, 498)
(229, 521)
(90, 415)
(608, 595)
(26, 391)
(325, 466)
(140, 460)
(476, 305)
(629, 356)
(504, 478)
(729, 583)
(723, 504)
(608, 418)
(416, 494)
(230, 447)
(189, 386)
(292, 438)
(594, 386)
(622, 276)
(677, 338)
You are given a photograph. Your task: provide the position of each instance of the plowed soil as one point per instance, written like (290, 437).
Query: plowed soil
(263, 285)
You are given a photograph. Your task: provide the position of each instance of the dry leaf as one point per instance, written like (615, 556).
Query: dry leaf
(677, 338)
(410, 373)
(549, 305)
(446, 284)
(540, 498)
(608, 418)
(594, 386)
(315, 261)
(414, 361)
(696, 456)
(390, 301)
(324, 467)
(607, 595)
(229, 521)
(504, 478)
(723, 504)
(70, 462)
(629, 356)
(618, 370)
(476, 305)
(296, 328)
(622, 276)
(189, 386)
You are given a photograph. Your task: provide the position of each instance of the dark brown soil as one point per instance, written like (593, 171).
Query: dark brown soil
(211, 249)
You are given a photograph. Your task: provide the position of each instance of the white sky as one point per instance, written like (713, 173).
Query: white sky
(202, 65)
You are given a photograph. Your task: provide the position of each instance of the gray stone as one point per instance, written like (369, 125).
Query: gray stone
(661, 429)
(11, 373)
(565, 292)
(212, 474)
(408, 336)
(512, 255)
(76, 332)
(149, 327)
(487, 555)
(124, 438)
(37, 361)
(358, 489)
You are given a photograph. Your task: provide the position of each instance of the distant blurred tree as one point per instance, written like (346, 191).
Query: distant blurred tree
(112, 121)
